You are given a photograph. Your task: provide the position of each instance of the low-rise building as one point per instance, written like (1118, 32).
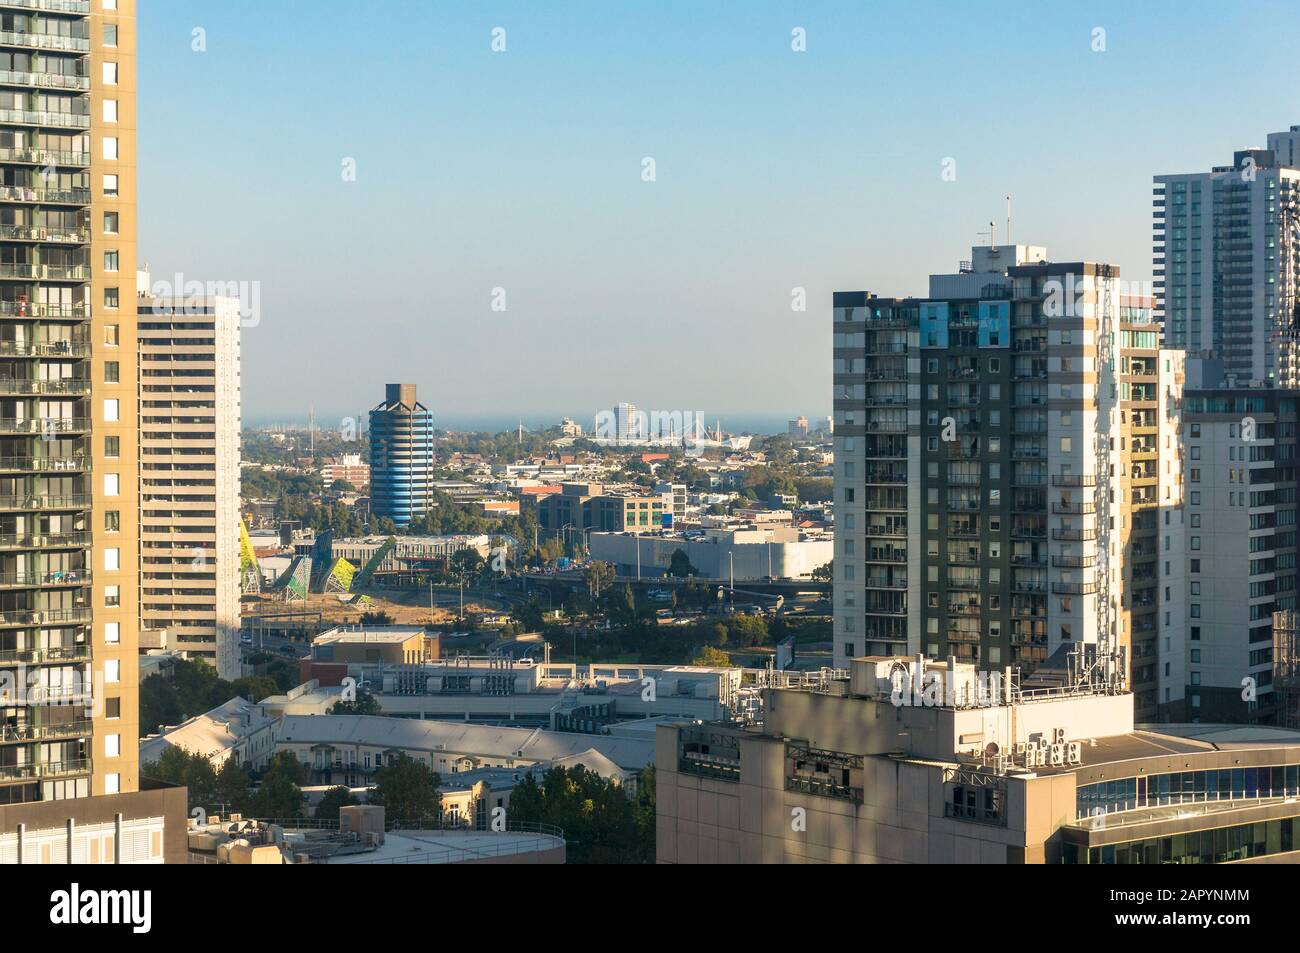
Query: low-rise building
(376, 644)
(747, 553)
(904, 760)
(237, 730)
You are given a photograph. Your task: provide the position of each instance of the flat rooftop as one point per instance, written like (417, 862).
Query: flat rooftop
(445, 847)
(370, 634)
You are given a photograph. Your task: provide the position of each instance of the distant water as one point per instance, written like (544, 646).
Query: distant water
(732, 423)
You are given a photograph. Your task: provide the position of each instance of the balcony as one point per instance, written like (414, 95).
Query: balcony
(45, 41)
(1074, 562)
(81, 501)
(25, 617)
(10, 77)
(23, 193)
(44, 540)
(73, 464)
(49, 6)
(43, 156)
(27, 271)
(49, 236)
(1074, 535)
(52, 769)
(1081, 509)
(1074, 588)
(9, 734)
(45, 425)
(22, 580)
(70, 387)
(1071, 479)
(35, 117)
(28, 309)
(63, 653)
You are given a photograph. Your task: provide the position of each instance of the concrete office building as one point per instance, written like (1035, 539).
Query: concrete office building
(1240, 557)
(910, 761)
(401, 456)
(745, 553)
(986, 493)
(1226, 256)
(68, 453)
(189, 474)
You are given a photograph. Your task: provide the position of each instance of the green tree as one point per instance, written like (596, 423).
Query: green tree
(365, 704)
(279, 794)
(709, 657)
(824, 573)
(408, 790)
(601, 823)
(680, 565)
(332, 800)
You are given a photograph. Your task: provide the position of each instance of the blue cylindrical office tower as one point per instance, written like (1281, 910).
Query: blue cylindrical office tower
(401, 456)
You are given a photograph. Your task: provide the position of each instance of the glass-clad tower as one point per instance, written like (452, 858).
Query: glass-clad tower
(401, 456)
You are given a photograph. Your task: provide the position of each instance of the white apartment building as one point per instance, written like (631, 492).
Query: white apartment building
(189, 475)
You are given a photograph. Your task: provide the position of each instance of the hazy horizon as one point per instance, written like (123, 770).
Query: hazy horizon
(776, 170)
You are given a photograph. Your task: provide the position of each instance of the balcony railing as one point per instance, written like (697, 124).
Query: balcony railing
(51, 236)
(24, 193)
(70, 729)
(50, 769)
(45, 41)
(44, 540)
(39, 272)
(62, 653)
(45, 425)
(30, 580)
(44, 616)
(29, 309)
(78, 501)
(38, 117)
(43, 156)
(50, 6)
(50, 80)
(75, 464)
(61, 387)
(44, 349)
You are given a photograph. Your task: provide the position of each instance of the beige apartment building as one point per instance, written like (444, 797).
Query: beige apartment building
(189, 473)
(69, 779)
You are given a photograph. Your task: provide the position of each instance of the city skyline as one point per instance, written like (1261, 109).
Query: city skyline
(539, 191)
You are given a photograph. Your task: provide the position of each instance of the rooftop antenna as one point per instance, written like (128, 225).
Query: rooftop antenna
(1009, 242)
(993, 234)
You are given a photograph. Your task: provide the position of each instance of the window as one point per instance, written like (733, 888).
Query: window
(112, 633)
(113, 782)
(110, 110)
(112, 671)
(112, 335)
(110, 147)
(111, 297)
(111, 409)
(112, 596)
(112, 559)
(110, 189)
(112, 746)
(110, 223)
(111, 259)
(111, 371)
(112, 484)
(110, 74)
(112, 708)
(110, 34)
(113, 521)
(112, 446)
(110, 4)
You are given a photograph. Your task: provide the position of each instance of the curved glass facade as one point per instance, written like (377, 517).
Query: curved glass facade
(401, 456)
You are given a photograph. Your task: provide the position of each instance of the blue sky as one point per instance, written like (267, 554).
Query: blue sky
(775, 170)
